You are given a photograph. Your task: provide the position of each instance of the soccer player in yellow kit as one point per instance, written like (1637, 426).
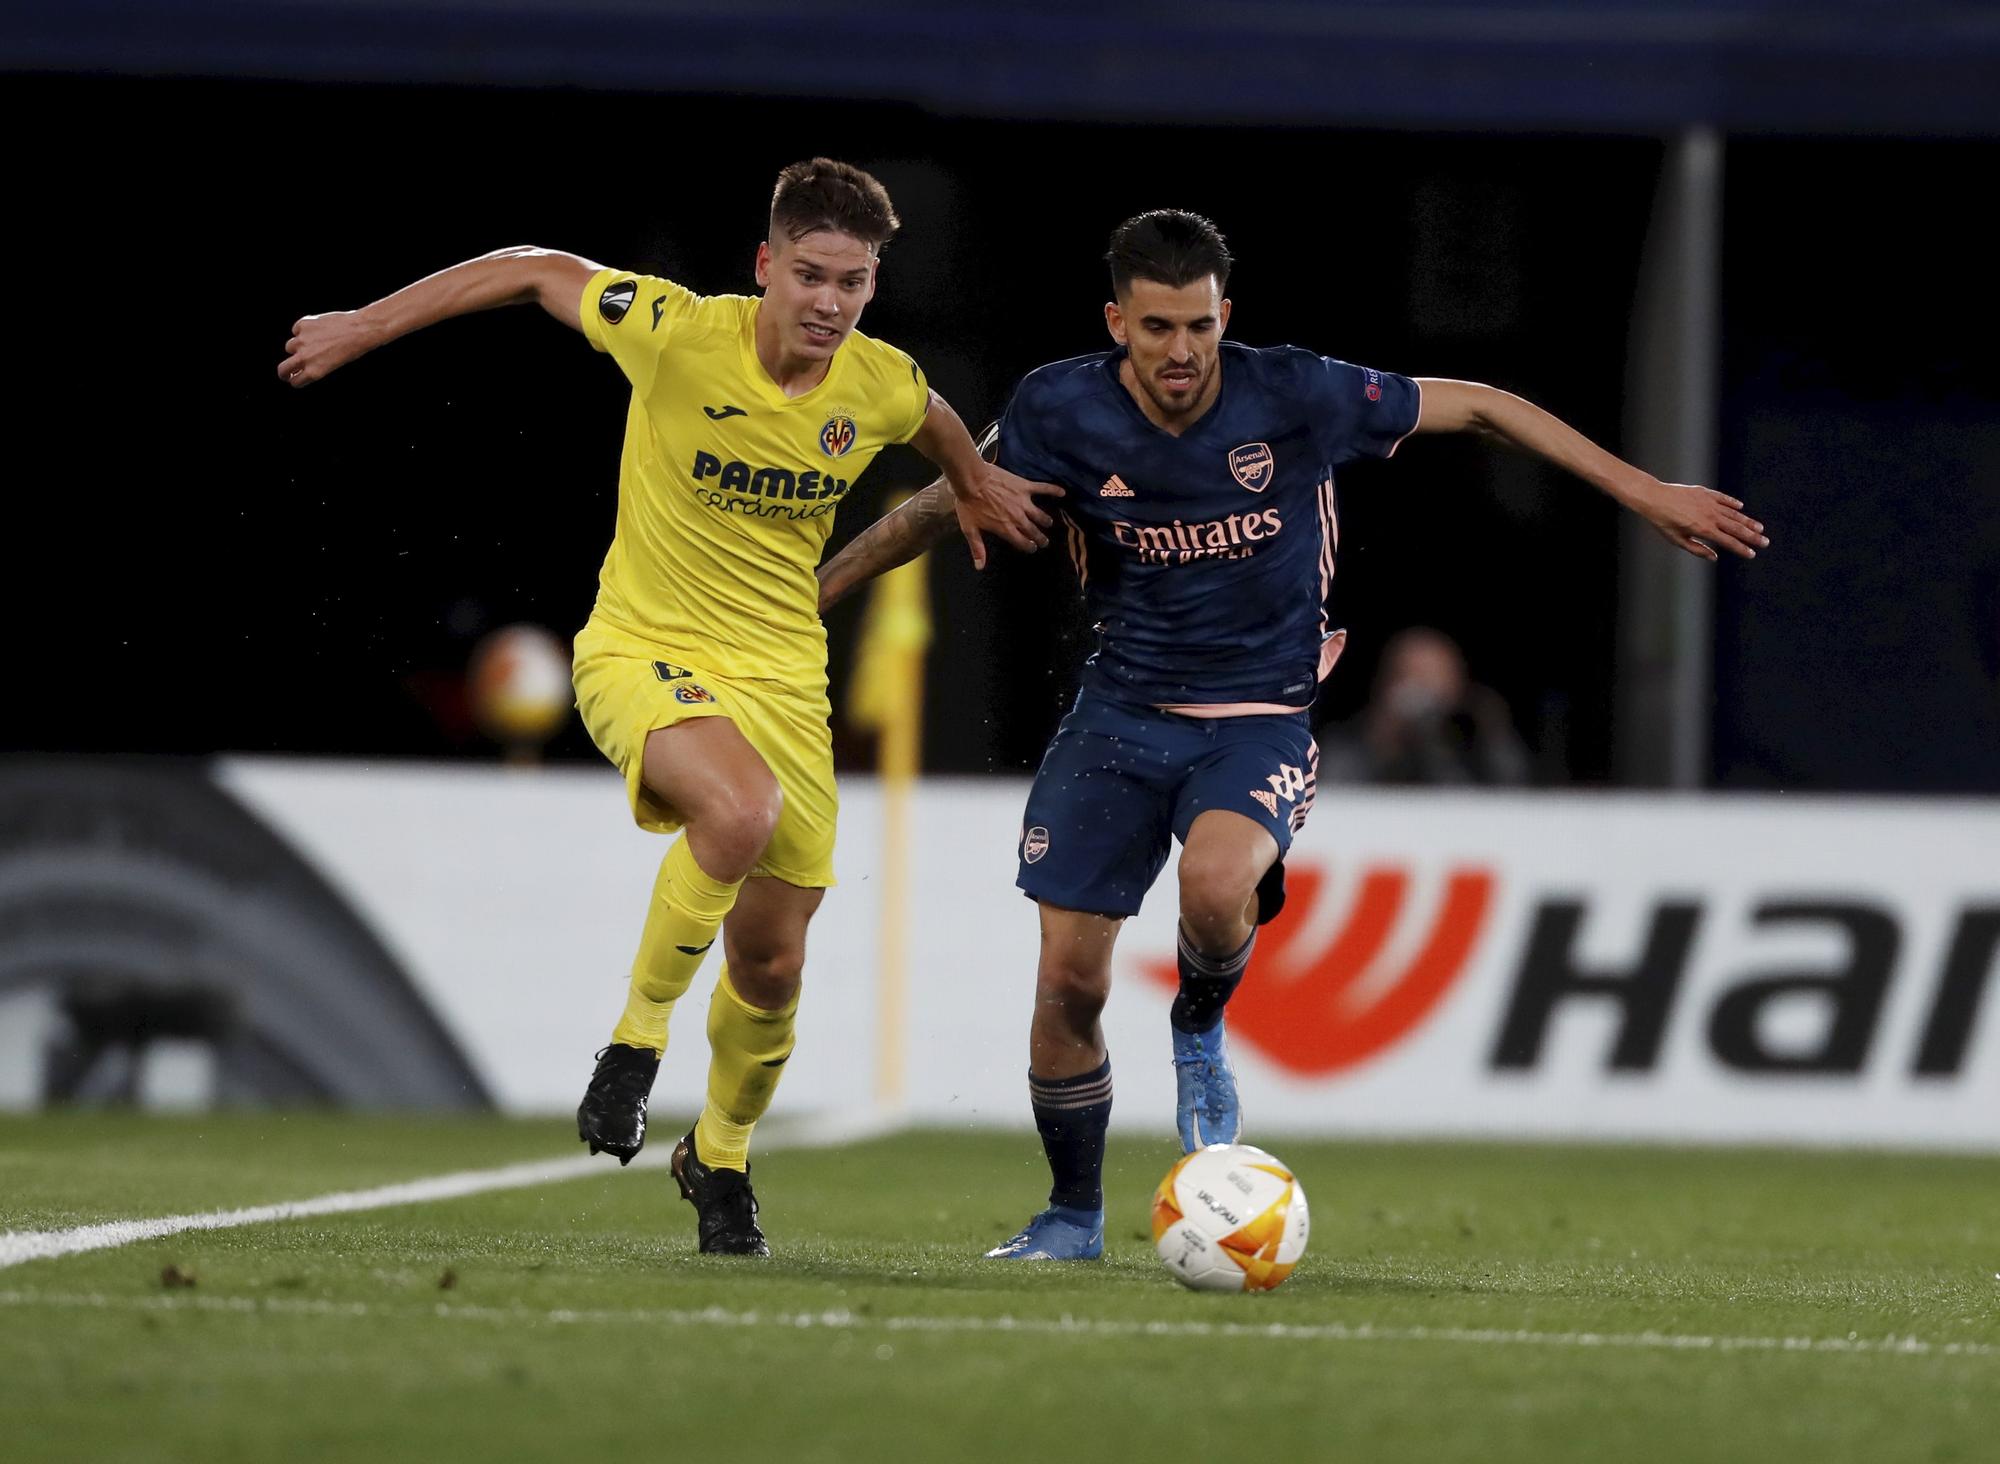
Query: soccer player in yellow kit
(702, 671)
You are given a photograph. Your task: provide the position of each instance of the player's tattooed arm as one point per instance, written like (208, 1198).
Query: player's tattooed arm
(893, 539)
(1688, 516)
(522, 275)
(985, 496)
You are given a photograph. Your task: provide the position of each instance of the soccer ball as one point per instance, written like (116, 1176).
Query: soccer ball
(1230, 1218)
(519, 683)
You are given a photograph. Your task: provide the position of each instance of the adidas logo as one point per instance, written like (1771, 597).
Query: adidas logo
(1268, 799)
(1114, 487)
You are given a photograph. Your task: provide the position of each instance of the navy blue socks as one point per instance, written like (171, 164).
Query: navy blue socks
(1072, 1114)
(1207, 983)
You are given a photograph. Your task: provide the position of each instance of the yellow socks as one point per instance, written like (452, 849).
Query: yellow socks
(747, 1045)
(686, 912)
(747, 1051)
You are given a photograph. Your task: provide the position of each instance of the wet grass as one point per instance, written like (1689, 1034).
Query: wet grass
(1458, 1302)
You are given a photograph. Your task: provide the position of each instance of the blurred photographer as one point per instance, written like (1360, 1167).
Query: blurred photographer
(1427, 722)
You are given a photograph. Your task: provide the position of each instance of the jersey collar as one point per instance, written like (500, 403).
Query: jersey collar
(1117, 358)
(760, 379)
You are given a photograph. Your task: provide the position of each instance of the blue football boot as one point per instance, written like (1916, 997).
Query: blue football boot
(1059, 1233)
(1206, 1111)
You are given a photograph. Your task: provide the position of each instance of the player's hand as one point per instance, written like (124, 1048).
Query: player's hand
(322, 344)
(1699, 520)
(995, 501)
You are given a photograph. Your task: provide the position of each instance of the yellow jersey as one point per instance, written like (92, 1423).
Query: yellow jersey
(727, 487)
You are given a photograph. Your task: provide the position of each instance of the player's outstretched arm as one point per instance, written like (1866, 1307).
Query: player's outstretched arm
(1688, 516)
(893, 539)
(324, 343)
(986, 497)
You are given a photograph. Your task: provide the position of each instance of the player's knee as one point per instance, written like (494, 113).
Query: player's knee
(1214, 896)
(732, 832)
(1078, 988)
(768, 979)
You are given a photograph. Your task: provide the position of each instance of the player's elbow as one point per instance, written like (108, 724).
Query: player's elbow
(1463, 406)
(830, 589)
(1492, 412)
(539, 274)
(524, 259)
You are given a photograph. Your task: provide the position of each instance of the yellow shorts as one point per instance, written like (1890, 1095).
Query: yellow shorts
(627, 686)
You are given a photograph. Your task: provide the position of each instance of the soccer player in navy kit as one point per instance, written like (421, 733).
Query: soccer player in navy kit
(1200, 516)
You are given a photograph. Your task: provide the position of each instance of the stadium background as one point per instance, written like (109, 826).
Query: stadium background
(1733, 246)
(334, 556)
(254, 849)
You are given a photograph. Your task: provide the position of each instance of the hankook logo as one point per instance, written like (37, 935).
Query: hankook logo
(1321, 998)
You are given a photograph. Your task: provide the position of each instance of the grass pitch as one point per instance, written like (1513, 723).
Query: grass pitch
(1490, 1303)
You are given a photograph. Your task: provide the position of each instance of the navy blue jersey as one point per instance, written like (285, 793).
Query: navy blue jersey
(1206, 559)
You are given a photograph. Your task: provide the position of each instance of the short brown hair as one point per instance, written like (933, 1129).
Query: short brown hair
(824, 194)
(1169, 246)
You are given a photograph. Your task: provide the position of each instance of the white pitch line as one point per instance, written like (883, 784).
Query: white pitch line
(1065, 1326)
(17, 1246)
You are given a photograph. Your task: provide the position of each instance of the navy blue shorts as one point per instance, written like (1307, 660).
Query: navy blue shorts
(1120, 782)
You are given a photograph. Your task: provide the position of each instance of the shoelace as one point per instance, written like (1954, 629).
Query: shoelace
(1203, 1054)
(735, 1201)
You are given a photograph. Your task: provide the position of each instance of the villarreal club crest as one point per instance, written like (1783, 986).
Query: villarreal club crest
(838, 435)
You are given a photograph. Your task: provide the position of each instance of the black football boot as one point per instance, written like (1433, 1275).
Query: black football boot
(612, 1116)
(725, 1209)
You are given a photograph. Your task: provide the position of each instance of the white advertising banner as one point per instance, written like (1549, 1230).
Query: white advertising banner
(1698, 968)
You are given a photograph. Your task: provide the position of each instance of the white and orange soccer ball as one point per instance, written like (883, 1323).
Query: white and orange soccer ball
(519, 684)
(1230, 1218)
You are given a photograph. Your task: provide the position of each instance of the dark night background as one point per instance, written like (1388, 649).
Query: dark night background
(199, 559)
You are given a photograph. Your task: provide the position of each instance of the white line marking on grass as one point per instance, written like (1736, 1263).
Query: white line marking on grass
(1065, 1326)
(17, 1246)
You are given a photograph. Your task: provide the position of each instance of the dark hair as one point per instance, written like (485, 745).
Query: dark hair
(824, 194)
(1170, 246)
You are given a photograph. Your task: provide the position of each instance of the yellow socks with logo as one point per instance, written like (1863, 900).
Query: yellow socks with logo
(748, 1046)
(747, 1051)
(686, 912)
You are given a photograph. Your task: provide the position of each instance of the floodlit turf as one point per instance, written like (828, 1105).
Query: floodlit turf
(1441, 1300)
